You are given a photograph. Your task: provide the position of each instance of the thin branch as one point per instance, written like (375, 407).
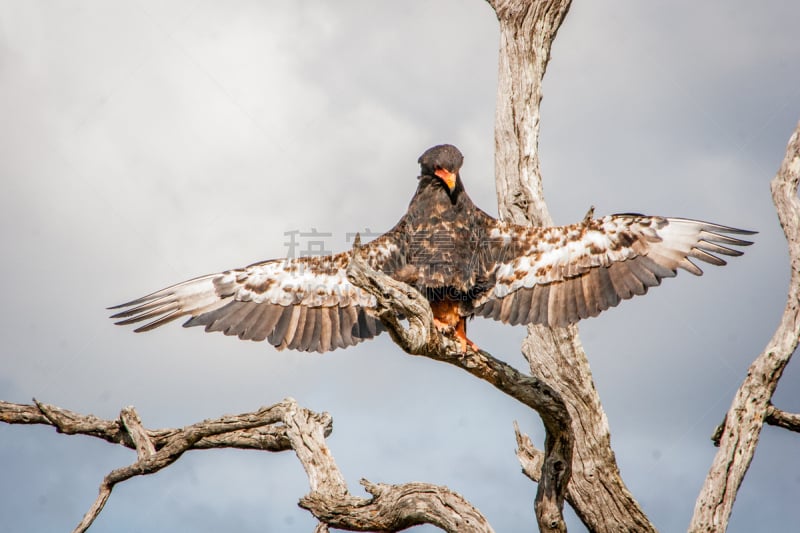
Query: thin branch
(133, 425)
(396, 299)
(159, 448)
(150, 461)
(144, 450)
(94, 511)
(307, 437)
(530, 458)
(751, 405)
(258, 434)
(283, 426)
(776, 417)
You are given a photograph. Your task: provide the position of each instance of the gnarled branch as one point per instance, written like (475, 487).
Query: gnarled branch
(157, 449)
(777, 417)
(281, 427)
(751, 406)
(391, 508)
(397, 507)
(530, 458)
(395, 299)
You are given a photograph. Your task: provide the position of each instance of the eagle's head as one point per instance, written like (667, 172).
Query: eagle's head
(443, 161)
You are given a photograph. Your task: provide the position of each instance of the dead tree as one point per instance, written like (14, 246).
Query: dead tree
(527, 31)
(596, 491)
(577, 463)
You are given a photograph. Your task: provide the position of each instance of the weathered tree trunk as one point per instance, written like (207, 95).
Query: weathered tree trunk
(738, 437)
(596, 490)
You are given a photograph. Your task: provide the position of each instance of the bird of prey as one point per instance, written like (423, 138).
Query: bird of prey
(464, 261)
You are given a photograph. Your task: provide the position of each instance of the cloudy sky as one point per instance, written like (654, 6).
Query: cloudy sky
(147, 142)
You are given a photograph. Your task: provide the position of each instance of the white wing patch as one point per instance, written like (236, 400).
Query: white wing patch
(558, 275)
(556, 253)
(306, 303)
(296, 282)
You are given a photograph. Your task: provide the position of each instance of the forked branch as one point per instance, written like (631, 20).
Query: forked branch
(396, 299)
(283, 426)
(157, 449)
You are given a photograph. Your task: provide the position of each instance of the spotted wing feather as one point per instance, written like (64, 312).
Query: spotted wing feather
(559, 275)
(305, 304)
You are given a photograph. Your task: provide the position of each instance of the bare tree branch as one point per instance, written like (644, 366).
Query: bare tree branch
(145, 450)
(391, 508)
(133, 426)
(396, 299)
(530, 457)
(751, 405)
(283, 426)
(776, 417)
(150, 461)
(258, 435)
(773, 417)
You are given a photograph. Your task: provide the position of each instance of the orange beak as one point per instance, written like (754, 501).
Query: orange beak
(446, 176)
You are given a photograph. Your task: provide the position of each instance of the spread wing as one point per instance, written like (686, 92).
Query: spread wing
(559, 275)
(305, 304)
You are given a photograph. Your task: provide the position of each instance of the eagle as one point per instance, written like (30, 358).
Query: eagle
(466, 263)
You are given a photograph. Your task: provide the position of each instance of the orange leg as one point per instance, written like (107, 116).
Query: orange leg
(448, 321)
(461, 334)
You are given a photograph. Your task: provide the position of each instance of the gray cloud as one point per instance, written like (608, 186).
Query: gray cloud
(145, 144)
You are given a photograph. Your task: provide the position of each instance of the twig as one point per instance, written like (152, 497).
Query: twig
(133, 425)
(530, 458)
(776, 417)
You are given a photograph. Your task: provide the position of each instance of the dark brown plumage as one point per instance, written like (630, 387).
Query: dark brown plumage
(463, 260)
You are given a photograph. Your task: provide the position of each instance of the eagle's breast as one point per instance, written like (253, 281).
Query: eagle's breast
(444, 236)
